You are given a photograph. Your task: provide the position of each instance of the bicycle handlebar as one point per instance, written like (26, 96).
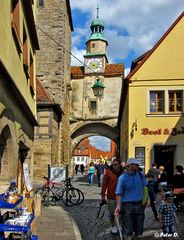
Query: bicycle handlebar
(44, 177)
(66, 181)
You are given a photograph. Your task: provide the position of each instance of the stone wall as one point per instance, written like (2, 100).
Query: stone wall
(45, 143)
(107, 105)
(53, 62)
(42, 157)
(53, 70)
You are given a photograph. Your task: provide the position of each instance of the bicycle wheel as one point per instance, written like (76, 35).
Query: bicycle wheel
(43, 191)
(81, 199)
(70, 196)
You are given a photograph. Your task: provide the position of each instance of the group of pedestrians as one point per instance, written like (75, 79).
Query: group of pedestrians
(124, 190)
(158, 183)
(79, 167)
(99, 170)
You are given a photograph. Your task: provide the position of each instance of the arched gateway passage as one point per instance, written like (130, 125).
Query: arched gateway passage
(95, 129)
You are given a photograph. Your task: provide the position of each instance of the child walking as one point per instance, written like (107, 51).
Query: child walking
(167, 211)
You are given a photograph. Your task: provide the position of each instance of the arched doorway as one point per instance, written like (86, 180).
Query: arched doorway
(95, 129)
(6, 153)
(94, 149)
(88, 130)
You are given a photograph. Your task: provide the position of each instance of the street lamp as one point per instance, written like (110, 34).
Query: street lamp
(98, 88)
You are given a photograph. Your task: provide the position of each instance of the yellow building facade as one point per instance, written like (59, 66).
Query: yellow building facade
(152, 104)
(19, 43)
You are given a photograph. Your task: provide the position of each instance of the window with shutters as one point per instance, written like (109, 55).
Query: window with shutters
(25, 52)
(15, 22)
(31, 73)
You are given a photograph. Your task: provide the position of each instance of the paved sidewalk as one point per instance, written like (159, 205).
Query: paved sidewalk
(56, 224)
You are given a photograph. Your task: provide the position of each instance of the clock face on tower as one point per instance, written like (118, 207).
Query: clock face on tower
(94, 64)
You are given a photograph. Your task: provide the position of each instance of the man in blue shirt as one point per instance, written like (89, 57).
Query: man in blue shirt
(129, 194)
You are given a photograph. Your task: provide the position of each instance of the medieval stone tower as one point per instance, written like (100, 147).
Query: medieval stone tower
(95, 112)
(54, 26)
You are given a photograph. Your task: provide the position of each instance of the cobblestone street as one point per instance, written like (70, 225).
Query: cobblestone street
(92, 228)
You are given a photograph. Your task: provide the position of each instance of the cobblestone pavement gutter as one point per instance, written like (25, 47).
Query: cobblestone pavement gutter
(55, 224)
(92, 228)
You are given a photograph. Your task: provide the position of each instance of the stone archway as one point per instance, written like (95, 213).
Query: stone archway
(12, 141)
(92, 129)
(7, 166)
(88, 129)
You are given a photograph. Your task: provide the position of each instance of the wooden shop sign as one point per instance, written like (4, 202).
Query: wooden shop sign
(164, 131)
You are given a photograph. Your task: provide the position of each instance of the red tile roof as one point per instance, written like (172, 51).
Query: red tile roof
(77, 72)
(78, 152)
(42, 94)
(114, 70)
(110, 70)
(85, 149)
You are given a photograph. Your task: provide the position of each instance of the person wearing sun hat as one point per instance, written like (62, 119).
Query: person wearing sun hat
(129, 194)
(167, 212)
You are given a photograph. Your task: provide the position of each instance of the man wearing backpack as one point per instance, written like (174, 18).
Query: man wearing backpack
(129, 195)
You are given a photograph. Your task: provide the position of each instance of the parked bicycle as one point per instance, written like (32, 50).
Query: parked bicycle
(60, 191)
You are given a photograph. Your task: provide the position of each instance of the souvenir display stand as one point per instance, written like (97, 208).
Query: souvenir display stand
(20, 229)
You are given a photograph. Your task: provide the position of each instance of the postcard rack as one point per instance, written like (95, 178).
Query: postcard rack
(21, 232)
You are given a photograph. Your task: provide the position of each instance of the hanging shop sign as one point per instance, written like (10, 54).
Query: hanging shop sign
(58, 174)
(140, 155)
(164, 131)
(26, 176)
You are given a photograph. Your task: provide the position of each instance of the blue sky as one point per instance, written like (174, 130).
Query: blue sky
(131, 27)
(101, 143)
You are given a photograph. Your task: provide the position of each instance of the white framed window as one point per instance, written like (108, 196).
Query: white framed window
(175, 101)
(165, 101)
(156, 101)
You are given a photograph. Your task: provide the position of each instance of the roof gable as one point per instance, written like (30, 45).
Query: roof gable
(41, 93)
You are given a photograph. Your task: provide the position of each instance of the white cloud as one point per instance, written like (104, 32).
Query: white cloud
(127, 70)
(120, 45)
(130, 26)
(79, 35)
(101, 143)
(78, 59)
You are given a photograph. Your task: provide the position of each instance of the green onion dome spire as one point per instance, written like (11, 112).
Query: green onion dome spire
(97, 27)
